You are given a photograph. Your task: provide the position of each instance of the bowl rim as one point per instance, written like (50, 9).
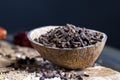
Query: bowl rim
(30, 39)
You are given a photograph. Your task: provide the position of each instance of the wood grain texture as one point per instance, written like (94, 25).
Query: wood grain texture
(95, 73)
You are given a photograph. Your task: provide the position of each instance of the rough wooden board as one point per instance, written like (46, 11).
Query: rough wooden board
(9, 49)
(95, 73)
(5, 61)
(14, 75)
(101, 73)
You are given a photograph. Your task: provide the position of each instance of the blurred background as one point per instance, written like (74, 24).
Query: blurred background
(24, 15)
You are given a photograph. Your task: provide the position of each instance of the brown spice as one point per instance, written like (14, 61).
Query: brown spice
(69, 36)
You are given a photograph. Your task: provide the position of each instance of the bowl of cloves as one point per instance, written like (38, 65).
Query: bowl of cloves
(68, 46)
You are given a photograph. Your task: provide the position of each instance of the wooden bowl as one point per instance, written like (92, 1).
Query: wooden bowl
(72, 58)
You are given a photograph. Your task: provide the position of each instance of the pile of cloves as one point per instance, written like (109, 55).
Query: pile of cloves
(45, 70)
(69, 36)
